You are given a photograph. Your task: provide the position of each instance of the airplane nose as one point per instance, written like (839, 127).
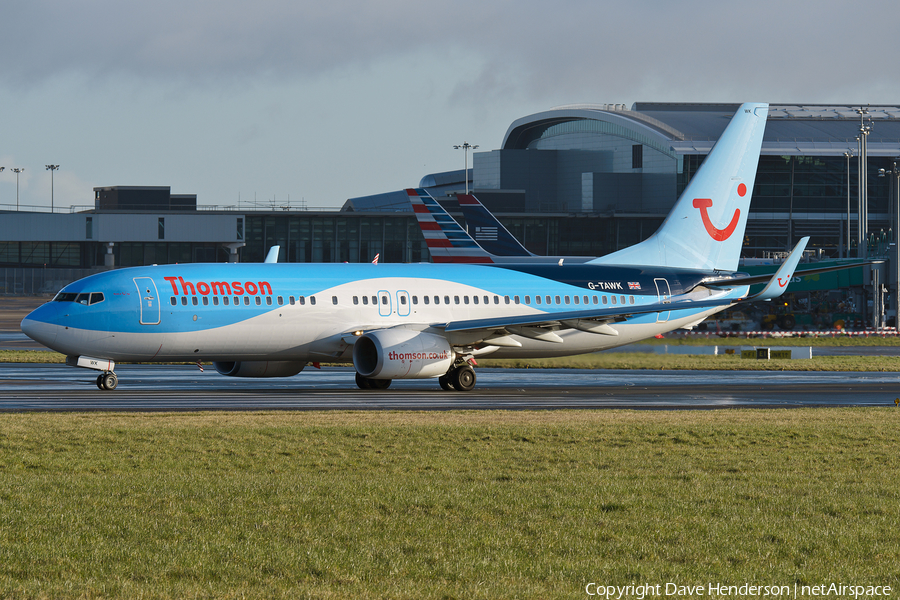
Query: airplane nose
(40, 325)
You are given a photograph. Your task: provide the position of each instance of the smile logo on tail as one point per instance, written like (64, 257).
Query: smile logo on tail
(720, 235)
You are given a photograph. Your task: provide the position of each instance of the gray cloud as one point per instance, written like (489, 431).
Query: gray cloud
(578, 49)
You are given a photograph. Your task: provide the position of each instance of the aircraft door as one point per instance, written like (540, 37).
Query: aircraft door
(403, 307)
(384, 303)
(149, 300)
(664, 293)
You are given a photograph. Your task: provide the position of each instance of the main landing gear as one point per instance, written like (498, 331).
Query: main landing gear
(107, 381)
(365, 383)
(460, 378)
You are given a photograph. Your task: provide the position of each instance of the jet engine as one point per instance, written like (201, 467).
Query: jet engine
(402, 354)
(260, 368)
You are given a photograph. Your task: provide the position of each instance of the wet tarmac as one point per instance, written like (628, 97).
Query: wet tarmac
(39, 387)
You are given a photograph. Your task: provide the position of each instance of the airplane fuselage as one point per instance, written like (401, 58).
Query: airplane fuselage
(304, 312)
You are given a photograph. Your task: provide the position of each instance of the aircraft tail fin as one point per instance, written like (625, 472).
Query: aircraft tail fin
(487, 231)
(446, 240)
(705, 229)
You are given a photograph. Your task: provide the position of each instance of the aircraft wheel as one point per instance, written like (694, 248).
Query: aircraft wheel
(463, 378)
(100, 381)
(380, 384)
(363, 382)
(110, 381)
(445, 382)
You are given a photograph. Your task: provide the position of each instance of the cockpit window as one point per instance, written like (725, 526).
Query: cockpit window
(81, 298)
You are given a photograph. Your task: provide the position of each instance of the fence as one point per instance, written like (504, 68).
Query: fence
(38, 281)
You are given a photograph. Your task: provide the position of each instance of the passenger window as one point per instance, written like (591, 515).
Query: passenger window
(258, 301)
(613, 299)
(456, 299)
(301, 300)
(225, 300)
(465, 300)
(246, 300)
(312, 300)
(557, 300)
(184, 300)
(384, 300)
(334, 300)
(549, 300)
(604, 299)
(424, 298)
(415, 299)
(631, 299)
(355, 300)
(446, 299)
(623, 299)
(437, 300)
(215, 300)
(586, 301)
(173, 301)
(205, 300)
(269, 300)
(527, 299)
(506, 299)
(374, 300)
(403, 300)
(280, 301)
(291, 300)
(575, 299)
(595, 299)
(194, 300)
(516, 298)
(537, 299)
(474, 299)
(566, 298)
(365, 300)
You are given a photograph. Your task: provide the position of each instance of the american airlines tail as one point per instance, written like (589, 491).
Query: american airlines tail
(487, 231)
(705, 229)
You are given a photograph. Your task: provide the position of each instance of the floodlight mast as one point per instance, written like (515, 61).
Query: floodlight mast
(465, 146)
(51, 168)
(17, 170)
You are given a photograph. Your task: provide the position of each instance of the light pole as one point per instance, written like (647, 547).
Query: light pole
(17, 170)
(2, 169)
(864, 131)
(465, 146)
(51, 168)
(895, 255)
(847, 155)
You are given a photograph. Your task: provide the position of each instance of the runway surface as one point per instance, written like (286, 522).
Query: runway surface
(40, 387)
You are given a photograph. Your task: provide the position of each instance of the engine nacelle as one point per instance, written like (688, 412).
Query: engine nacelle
(402, 354)
(259, 368)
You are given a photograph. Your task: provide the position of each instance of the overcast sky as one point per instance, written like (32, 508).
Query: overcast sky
(318, 102)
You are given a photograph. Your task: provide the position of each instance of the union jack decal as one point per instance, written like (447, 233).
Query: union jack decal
(634, 285)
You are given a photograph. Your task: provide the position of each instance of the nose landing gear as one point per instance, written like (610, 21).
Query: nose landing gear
(107, 381)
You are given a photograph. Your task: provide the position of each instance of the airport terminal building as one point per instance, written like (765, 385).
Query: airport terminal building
(575, 180)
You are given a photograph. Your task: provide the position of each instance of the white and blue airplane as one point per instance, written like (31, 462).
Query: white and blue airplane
(403, 321)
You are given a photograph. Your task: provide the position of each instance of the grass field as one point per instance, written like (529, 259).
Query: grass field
(444, 505)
